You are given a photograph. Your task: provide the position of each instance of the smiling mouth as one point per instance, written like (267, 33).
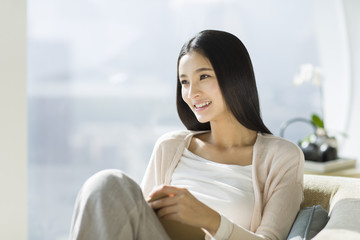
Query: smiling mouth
(202, 105)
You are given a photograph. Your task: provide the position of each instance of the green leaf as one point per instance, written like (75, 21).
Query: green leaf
(317, 121)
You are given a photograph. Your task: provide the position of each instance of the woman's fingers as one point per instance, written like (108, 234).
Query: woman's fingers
(166, 212)
(162, 202)
(180, 205)
(165, 190)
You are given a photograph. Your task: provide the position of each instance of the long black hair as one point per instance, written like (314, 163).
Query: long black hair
(234, 71)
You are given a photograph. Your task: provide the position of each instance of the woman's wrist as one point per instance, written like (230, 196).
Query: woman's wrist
(213, 223)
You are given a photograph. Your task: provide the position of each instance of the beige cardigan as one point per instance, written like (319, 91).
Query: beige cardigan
(277, 180)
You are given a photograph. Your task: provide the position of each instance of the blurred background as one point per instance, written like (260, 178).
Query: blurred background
(102, 74)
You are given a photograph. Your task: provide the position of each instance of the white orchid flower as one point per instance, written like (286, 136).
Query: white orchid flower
(317, 76)
(308, 73)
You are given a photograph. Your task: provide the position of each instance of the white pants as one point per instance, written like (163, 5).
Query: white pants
(110, 206)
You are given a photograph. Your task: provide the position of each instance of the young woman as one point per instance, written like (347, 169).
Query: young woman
(226, 175)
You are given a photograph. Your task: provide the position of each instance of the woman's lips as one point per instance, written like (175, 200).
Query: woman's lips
(201, 106)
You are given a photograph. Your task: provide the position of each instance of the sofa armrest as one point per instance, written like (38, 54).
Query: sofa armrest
(340, 196)
(328, 190)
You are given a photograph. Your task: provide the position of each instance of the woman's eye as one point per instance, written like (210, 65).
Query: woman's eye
(204, 76)
(183, 82)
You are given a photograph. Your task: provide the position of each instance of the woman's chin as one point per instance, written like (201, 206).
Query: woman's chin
(202, 120)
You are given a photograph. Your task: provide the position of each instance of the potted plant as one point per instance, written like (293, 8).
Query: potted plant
(318, 146)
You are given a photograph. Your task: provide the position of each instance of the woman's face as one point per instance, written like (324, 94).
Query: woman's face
(200, 88)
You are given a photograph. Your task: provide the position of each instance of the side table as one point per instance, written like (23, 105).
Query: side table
(349, 172)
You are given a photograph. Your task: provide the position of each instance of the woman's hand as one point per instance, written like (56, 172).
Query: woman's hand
(180, 205)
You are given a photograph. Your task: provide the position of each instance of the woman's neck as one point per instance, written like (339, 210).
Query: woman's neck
(231, 134)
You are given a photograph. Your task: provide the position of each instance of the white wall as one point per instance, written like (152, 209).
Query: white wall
(13, 132)
(338, 33)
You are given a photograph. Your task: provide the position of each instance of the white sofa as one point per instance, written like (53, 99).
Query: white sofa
(340, 196)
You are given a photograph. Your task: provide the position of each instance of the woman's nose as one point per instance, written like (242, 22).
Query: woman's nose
(194, 91)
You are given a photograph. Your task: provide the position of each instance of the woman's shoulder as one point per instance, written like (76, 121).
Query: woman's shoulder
(283, 157)
(278, 144)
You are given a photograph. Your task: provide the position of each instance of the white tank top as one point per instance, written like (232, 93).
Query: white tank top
(225, 188)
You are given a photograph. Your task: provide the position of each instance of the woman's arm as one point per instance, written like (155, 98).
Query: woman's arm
(163, 159)
(278, 216)
(181, 206)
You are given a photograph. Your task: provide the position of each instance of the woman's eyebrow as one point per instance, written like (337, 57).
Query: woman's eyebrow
(198, 70)
(204, 69)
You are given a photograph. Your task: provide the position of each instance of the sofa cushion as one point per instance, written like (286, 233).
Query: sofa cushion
(344, 222)
(309, 221)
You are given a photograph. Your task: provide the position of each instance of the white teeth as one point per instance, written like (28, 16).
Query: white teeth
(202, 104)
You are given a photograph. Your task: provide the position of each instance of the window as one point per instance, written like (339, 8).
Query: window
(102, 80)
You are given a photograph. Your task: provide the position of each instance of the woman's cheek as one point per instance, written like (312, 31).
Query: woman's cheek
(184, 97)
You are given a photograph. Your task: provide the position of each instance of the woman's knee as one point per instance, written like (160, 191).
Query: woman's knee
(110, 183)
